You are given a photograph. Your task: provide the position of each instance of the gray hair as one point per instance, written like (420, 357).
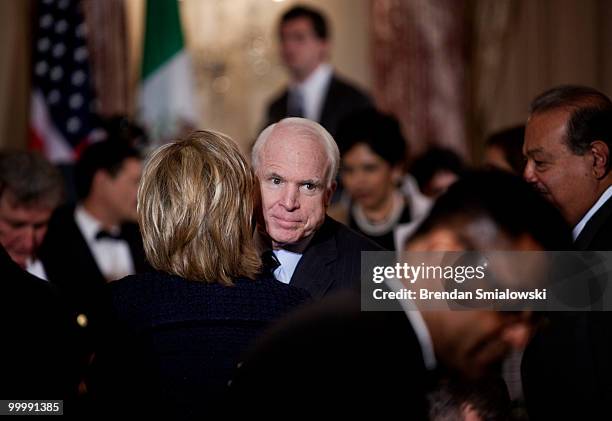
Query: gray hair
(31, 179)
(306, 128)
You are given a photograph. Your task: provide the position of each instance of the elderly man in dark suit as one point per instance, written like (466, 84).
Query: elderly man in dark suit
(568, 145)
(315, 92)
(296, 161)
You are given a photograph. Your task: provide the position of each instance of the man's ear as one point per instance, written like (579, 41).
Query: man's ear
(601, 154)
(100, 177)
(329, 192)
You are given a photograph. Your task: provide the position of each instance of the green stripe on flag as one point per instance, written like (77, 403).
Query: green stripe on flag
(163, 34)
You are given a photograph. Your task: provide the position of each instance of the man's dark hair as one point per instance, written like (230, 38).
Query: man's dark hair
(380, 132)
(590, 115)
(504, 199)
(434, 160)
(319, 23)
(31, 179)
(488, 397)
(107, 156)
(510, 141)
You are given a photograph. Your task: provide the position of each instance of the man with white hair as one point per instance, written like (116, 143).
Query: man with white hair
(296, 161)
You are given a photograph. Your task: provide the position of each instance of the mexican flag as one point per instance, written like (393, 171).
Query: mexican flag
(167, 100)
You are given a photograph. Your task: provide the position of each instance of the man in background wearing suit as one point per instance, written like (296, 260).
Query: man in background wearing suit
(568, 145)
(315, 91)
(296, 162)
(96, 241)
(30, 189)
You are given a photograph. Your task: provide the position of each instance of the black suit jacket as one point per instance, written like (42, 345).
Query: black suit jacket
(597, 233)
(332, 260)
(341, 99)
(36, 358)
(567, 367)
(333, 358)
(70, 265)
(170, 345)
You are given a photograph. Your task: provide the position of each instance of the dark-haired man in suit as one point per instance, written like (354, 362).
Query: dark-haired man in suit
(568, 145)
(315, 92)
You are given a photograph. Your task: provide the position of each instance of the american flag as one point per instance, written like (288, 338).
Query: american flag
(63, 107)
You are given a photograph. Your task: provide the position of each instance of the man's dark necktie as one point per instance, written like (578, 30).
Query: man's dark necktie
(270, 263)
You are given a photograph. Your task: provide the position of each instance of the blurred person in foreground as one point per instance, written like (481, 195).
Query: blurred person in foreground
(346, 360)
(175, 335)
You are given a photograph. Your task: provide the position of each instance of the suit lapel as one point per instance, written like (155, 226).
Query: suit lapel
(86, 261)
(593, 226)
(314, 272)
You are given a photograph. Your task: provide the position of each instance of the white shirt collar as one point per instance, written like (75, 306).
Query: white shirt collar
(602, 199)
(288, 262)
(418, 325)
(36, 268)
(89, 225)
(113, 257)
(314, 90)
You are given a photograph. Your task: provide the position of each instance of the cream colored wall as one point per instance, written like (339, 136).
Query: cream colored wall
(14, 73)
(235, 54)
(554, 42)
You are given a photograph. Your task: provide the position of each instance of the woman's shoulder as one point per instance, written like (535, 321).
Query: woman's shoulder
(268, 288)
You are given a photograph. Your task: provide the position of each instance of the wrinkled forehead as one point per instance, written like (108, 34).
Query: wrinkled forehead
(548, 120)
(547, 128)
(33, 213)
(296, 145)
(9, 200)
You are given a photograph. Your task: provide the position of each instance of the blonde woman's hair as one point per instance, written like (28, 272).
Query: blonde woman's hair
(195, 207)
